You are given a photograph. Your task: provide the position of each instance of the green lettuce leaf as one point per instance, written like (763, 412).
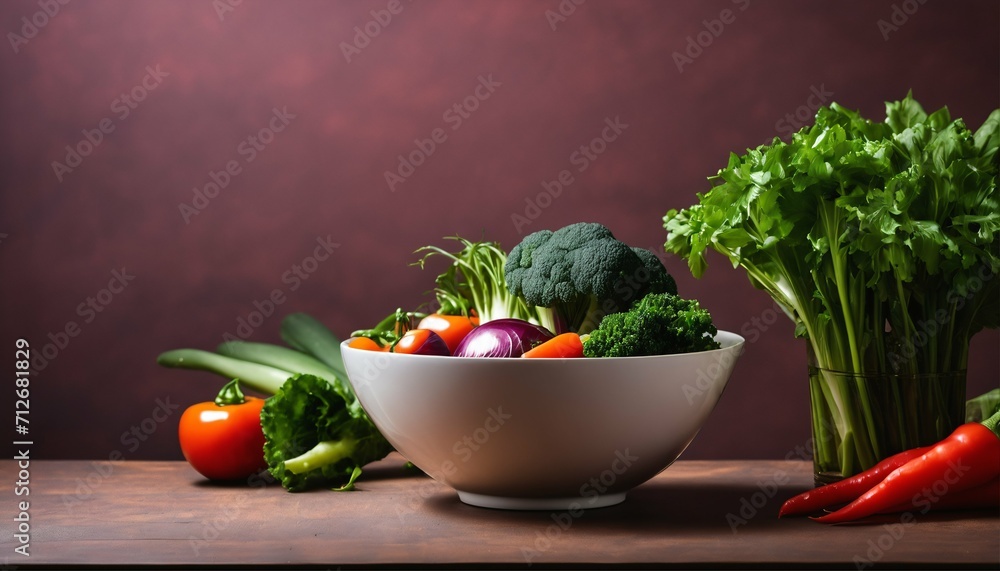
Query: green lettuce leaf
(317, 436)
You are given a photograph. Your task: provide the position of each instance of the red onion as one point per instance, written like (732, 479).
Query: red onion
(502, 338)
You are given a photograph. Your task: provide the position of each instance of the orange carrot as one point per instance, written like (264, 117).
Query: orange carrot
(563, 345)
(365, 343)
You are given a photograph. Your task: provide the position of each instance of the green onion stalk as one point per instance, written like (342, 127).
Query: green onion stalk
(474, 280)
(879, 241)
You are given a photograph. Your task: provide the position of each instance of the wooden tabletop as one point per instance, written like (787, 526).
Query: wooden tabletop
(717, 514)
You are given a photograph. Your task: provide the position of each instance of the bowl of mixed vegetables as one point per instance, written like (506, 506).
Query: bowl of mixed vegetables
(547, 433)
(559, 375)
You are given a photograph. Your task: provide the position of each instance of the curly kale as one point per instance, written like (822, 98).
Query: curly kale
(659, 324)
(318, 435)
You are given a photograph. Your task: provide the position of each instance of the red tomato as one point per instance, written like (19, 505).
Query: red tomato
(223, 442)
(451, 328)
(421, 342)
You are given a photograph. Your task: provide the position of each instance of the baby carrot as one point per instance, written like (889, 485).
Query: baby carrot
(365, 343)
(563, 345)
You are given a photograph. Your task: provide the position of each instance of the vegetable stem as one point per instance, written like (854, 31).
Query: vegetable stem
(278, 357)
(908, 328)
(307, 334)
(324, 453)
(261, 378)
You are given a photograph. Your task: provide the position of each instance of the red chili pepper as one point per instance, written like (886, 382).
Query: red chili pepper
(968, 458)
(848, 489)
(984, 496)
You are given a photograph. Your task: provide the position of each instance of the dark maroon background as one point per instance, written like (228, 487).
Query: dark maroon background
(323, 175)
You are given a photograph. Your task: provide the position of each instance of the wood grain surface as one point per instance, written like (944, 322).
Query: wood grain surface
(707, 514)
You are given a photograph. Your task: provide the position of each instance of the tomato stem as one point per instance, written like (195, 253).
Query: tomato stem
(230, 394)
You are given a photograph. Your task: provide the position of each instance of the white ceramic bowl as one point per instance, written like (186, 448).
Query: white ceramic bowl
(547, 434)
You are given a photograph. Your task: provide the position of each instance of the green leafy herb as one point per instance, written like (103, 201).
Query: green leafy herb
(878, 239)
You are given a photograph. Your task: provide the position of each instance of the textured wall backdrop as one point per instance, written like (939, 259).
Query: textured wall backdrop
(167, 166)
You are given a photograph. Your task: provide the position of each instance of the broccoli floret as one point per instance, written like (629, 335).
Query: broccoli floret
(659, 324)
(659, 280)
(580, 273)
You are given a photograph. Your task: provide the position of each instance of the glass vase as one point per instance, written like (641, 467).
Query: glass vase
(860, 419)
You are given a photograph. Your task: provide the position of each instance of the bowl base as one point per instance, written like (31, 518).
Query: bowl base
(538, 504)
